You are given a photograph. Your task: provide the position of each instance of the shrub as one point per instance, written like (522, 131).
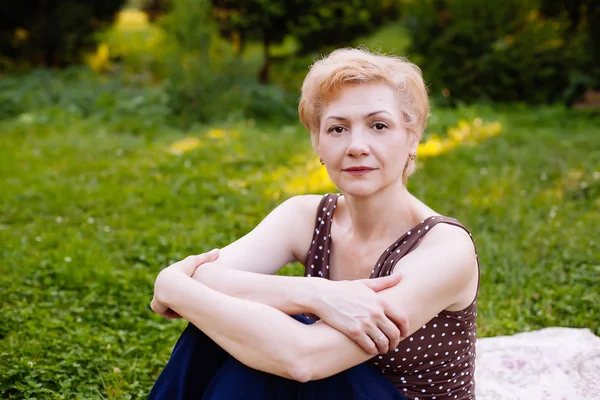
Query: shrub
(59, 98)
(309, 22)
(205, 78)
(132, 40)
(50, 33)
(505, 51)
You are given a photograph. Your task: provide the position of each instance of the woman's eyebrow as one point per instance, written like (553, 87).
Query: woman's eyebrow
(366, 116)
(377, 112)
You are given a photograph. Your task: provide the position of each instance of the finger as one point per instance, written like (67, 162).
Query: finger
(380, 340)
(391, 331)
(367, 344)
(207, 257)
(378, 284)
(400, 319)
(190, 263)
(358, 335)
(157, 307)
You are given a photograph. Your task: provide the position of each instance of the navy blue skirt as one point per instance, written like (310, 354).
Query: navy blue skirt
(201, 370)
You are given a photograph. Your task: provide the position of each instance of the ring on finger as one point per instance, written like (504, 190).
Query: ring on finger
(380, 338)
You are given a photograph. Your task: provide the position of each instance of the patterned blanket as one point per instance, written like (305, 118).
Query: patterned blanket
(549, 364)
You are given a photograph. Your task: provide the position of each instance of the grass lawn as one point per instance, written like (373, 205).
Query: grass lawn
(91, 210)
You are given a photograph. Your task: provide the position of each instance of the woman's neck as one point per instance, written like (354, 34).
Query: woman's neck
(384, 215)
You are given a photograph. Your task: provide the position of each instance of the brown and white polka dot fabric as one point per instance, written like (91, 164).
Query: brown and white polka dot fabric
(438, 360)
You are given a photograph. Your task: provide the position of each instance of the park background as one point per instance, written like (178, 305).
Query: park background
(133, 134)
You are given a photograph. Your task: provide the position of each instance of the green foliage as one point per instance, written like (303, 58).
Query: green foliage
(504, 51)
(315, 25)
(203, 79)
(327, 25)
(77, 94)
(197, 64)
(50, 33)
(289, 74)
(157, 76)
(155, 9)
(90, 212)
(139, 49)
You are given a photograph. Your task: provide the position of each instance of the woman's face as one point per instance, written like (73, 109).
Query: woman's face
(362, 139)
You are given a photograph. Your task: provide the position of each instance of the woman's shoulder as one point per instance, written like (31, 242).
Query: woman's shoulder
(433, 217)
(449, 231)
(448, 239)
(306, 205)
(301, 211)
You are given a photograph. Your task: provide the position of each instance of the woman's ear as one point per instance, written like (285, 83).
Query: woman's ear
(414, 143)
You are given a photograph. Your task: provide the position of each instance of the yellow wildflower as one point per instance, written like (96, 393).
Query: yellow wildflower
(184, 145)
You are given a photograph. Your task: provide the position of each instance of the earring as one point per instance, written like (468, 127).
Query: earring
(321, 161)
(412, 156)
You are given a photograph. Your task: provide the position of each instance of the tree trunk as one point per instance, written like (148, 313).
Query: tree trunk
(263, 76)
(593, 16)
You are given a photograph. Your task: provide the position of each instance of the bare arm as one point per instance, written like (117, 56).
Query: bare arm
(243, 271)
(441, 274)
(308, 352)
(245, 268)
(257, 335)
(289, 294)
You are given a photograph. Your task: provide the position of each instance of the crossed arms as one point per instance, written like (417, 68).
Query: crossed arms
(236, 302)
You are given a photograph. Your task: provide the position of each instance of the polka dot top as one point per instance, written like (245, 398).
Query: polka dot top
(438, 360)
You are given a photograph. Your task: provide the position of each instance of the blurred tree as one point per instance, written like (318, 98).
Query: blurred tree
(504, 51)
(52, 33)
(329, 24)
(155, 8)
(578, 12)
(316, 24)
(268, 21)
(583, 17)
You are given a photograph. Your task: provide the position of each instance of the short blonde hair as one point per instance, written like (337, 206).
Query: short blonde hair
(353, 66)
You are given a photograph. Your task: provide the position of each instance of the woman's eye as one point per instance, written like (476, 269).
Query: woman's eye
(337, 129)
(379, 126)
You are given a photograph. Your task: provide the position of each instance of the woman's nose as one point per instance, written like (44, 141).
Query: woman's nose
(358, 144)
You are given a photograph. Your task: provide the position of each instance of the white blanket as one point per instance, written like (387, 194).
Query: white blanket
(549, 364)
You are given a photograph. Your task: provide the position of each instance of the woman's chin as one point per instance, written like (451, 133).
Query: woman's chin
(368, 188)
(359, 189)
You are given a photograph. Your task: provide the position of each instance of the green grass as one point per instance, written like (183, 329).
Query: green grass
(90, 211)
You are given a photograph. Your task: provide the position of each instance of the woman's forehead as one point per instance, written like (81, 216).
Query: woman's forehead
(362, 100)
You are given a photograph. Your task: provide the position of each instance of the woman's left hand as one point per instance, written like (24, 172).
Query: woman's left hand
(355, 309)
(187, 267)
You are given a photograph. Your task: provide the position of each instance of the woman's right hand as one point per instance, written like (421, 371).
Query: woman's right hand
(355, 309)
(188, 266)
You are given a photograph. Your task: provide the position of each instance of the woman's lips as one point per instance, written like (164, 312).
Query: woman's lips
(358, 171)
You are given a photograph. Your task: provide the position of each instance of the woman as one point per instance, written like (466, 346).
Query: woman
(366, 114)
